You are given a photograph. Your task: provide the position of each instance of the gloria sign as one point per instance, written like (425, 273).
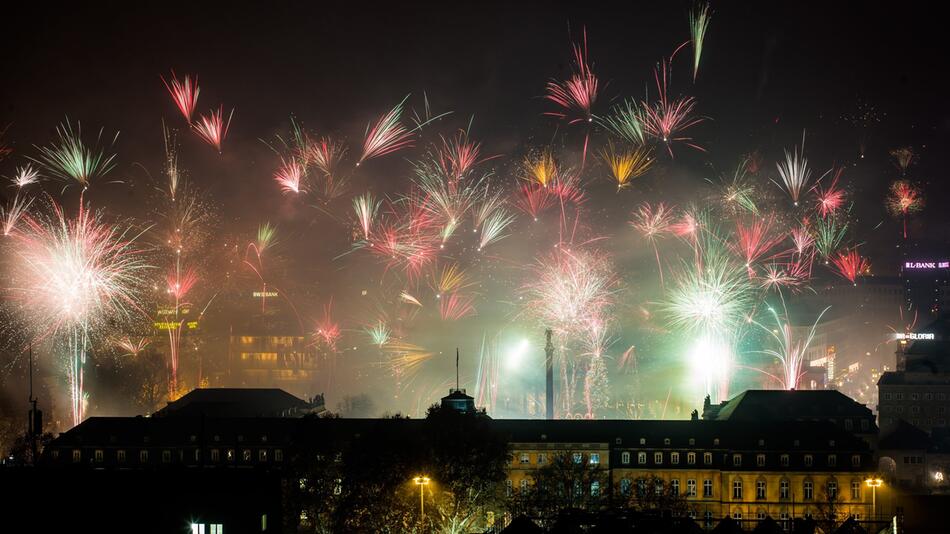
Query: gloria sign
(916, 336)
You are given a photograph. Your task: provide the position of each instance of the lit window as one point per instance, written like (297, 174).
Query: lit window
(197, 455)
(674, 458)
(625, 458)
(856, 490)
(707, 458)
(808, 460)
(832, 460)
(143, 456)
(759, 489)
(246, 455)
(217, 528)
(691, 487)
(595, 489)
(658, 487)
(737, 460)
(525, 458)
(594, 458)
(658, 458)
(120, 456)
(98, 456)
(215, 455)
(760, 460)
(675, 487)
(262, 455)
(77, 455)
(641, 458)
(736, 489)
(808, 488)
(783, 489)
(197, 528)
(783, 460)
(278, 455)
(707, 487)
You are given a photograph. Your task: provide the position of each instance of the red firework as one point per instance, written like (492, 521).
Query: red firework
(386, 136)
(458, 155)
(831, 199)
(213, 128)
(667, 118)
(327, 329)
(534, 199)
(180, 283)
(850, 265)
(904, 199)
(576, 96)
(455, 306)
(184, 94)
(754, 241)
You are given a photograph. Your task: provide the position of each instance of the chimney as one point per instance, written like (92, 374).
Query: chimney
(549, 375)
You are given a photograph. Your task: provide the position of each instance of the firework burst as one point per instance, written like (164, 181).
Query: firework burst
(653, 223)
(184, 93)
(829, 234)
(830, 199)
(455, 306)
(289, 176)
(625, 122)
(698, 24)
(667, 119)
(10, 214)
(213, 128)
(791, 349)
(575, 97)
(70, 159)
(794, 173)
(365, 207)
(850, 265)
(25, 175)
(533, 199)
(626, 165)
(903, 199)
(388, 135)
(493, 229)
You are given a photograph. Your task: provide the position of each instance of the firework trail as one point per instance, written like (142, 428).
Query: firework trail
(184, 93)
(288, 176)
(850, 265)
(831, 199)
(904, 157)
(486, 380)
(327, 330)
(794, 173)
(495, 225)
(266, 239)
(10, 214)
(625, 122)
(793, 275)
(406, 359)
(755, 240)
(388, 135)
(829, 234)
(903, 199)
(791, 352)
(595, 385)
(365, 207)
(627, 165)
(458, 155)
(171, 170)
(738, 192)
(406, 297)
(653, 223)
(379, 333)
(327, 154)
(802, 239)
(25, 175)
(450, 279)
(534, 199)
(666, 119)
(132, 346)
(74, 277)
(541, 168)
(575, 97)
(178, 284)
(455, 306)
(69, 159)
(488, 205)
(698, 23)
(212, 128)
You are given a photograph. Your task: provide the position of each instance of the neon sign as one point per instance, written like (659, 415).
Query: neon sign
(262, 294)
(927, 265)
(916, 336)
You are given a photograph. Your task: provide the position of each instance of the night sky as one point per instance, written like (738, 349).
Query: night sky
(858, 79)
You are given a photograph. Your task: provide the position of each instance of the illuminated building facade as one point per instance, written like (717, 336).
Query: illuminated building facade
(274, 361)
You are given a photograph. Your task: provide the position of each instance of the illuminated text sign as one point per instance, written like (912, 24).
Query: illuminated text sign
(927, 264)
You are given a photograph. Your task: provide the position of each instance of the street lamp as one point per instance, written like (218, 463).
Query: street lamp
(422, 482)
(874, 483)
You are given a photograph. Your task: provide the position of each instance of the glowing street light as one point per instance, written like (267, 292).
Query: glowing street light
(874, 483)
(422, 482)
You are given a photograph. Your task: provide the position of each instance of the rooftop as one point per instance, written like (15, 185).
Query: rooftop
(239, 402)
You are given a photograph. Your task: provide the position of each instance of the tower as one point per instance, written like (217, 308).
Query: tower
(549, 375)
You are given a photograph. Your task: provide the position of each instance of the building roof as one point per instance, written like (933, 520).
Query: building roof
(905, 436)
(902, 378)
(238, 402)
(782, 405)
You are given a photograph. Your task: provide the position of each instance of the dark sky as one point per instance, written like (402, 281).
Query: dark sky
(770, 71)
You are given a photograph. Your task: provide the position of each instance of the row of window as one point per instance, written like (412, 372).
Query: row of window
(941, 410)
(658, 457)
(230, 454)
(915, 396)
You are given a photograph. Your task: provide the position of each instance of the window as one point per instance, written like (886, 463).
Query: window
(808, 460)
(691, 458)
(98, 456)
(759, 489)
(691, 487)
(217, 528)
(666, 441)
(899, 396)
(915, 409)
(643, 441)
(197, 528)
(641, 458)
(120, 456)
(525, 458)
(230, 455)
(783, 489)
(77, 455)
(832, 490)
(641, 487)
(143, 457)
(524, 486)
(508, 488)
(215, 455)
(760, 515)
(855, 490)
(578, 457)
(675, 487)
(708, 518)
(941, 396)
(914, 396)
(674, 458)
(625, 486)
(197, 455)
(760, 460)
(808, 489)
(737, 460)
(783, 460)
(658, 458)
(855, 460)
(625, 457)
(737, 515)
(594, 458)
(262, 455)
(658, 487)
(337, 486)
(716, 441)
(736, 489)
(887, 396)
(707, 488)
(848, 424)
(783, 519)
(595, 489)
(832, 460)
(278, 455)
(542, 458)
(692, 441)
(707, 458)
(166, 456)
